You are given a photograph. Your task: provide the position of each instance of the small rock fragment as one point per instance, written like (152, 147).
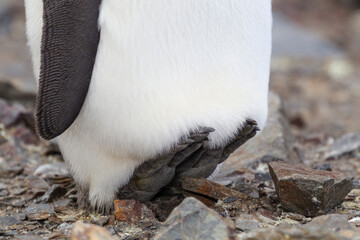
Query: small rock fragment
(55, 173)
(210, 189)
(323, 167)
(39, 211)
(3, 190)
(9, 115)
(332, 222)
(306, 191)
(347, 144)
(246, 222)
(6, 221)
(293, 233)
(131, 211)
(37, 185)
(82, 231)
(193, 220)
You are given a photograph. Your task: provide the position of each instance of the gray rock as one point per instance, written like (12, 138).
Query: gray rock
(332, 222)
(293, 233)
(193, 220)
(347, 144)
(39, 211)
(83, 231)
(306, 191)
(6, 221)
(65, 228)
(275, 142)
(246, 222)
(290, 39)
(329, 227)
(354, 34)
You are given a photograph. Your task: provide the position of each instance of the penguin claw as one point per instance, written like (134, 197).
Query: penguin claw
(201, 134)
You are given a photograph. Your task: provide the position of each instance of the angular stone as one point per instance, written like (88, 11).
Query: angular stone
(13, 114)
(37, 185)
(246, 222)
(210, 189)
(306, 191)
(193, 220)
(275, 141)
(329, 227)
(132, 211)
(6, 221)
(292, 233)
(39, 211)
(345, 145)
(82, 231)
(332, 222)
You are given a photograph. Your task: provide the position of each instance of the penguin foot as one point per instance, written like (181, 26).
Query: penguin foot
(150, 177)
(205, 161)
(190, 158)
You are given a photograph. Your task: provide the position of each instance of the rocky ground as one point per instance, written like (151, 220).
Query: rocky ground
(313, 130)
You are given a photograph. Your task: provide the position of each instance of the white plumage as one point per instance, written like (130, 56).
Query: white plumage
(163, 68)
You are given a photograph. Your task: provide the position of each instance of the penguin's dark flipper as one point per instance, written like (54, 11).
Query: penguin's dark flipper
(68, 50)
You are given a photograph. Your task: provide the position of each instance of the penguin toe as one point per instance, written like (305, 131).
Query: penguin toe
(247, 132)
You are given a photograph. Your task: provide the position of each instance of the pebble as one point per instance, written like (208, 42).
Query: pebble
(246, 222)
(193, 220)
(132, 211)
(83, 231)
(37, 212)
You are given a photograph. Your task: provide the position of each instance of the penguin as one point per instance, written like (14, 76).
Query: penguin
(139, 94)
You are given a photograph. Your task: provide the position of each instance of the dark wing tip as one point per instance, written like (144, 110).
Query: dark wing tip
(68, 51)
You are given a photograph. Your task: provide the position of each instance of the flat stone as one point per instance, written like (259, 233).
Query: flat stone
(37, 185)
(274, 142)
(39, 211)
(210, 189)
(83, 231)
(345, 145)
(247, 222)
(306, 191)
(6, 221)
(11, 114)
(132, 211)
(193, 220)
(292, 233)
(329, 227)
(332, 222)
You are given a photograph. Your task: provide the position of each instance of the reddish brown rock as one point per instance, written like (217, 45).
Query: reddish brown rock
(131, 211)
(210, 189)
(307, 191)
(82, 231)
